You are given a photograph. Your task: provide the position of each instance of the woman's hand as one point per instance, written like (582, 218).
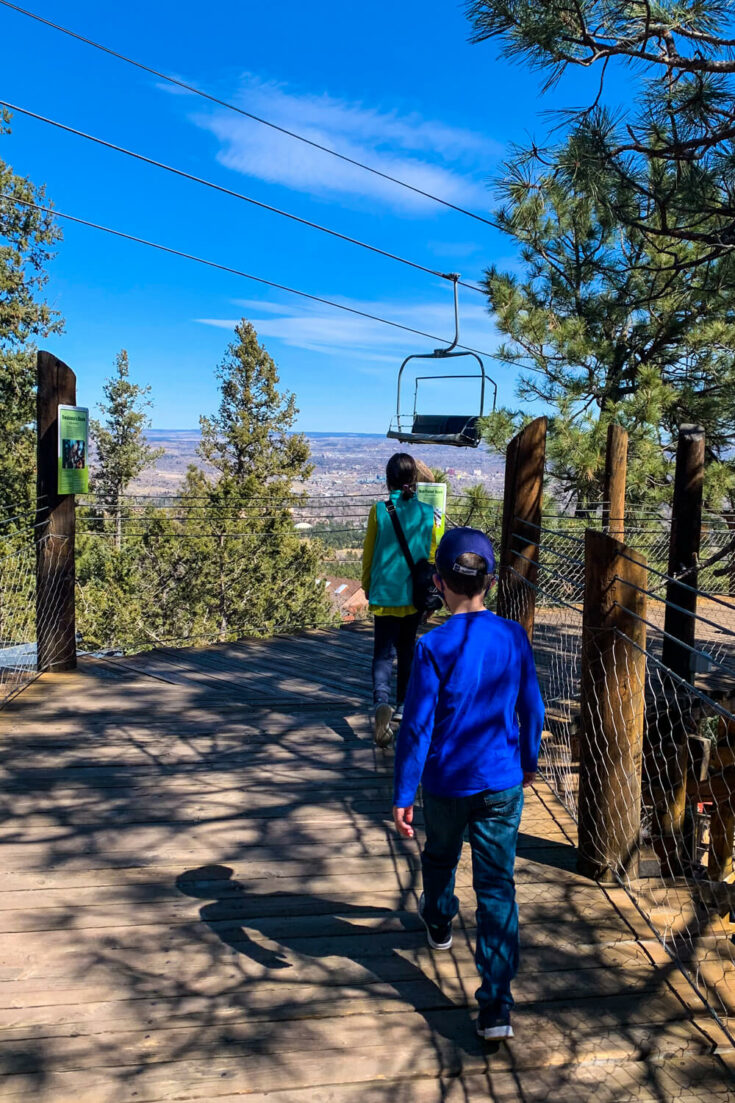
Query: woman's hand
(528, 779)
(403, 818)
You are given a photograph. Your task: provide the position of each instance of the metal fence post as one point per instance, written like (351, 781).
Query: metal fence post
(612, 707)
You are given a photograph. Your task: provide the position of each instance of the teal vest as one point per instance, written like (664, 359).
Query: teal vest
(390, 578)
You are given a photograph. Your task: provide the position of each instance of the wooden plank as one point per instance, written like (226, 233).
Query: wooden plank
(92, 1009)
(140, 962)
(138, 876)
(343, 1033)
(692, 1080)
(281, 677)
(46, 911)
(428, 1047)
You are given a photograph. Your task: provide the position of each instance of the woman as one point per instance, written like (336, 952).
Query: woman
(387, 582)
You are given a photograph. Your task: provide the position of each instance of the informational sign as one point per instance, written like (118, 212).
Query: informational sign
(435, 495)
(73, 450)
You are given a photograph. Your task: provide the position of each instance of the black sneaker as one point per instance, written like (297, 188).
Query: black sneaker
(398, 714)
(438, 937)
(493, 1027)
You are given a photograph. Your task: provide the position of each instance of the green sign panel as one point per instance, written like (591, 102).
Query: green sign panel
(435, 495)
(73, 450)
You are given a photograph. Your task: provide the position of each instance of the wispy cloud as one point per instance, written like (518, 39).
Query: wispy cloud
(451, 162)
(318, 329)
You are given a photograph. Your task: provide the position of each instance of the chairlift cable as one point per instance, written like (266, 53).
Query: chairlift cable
(234, 194)
(234, 271)
(247, 114)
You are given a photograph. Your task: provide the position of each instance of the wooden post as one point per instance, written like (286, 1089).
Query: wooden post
(686, 531)
(524, 483)
(616, 469)
(666, 753)
(722, 833)
(730, 568)
(612, 708)
(55, 572)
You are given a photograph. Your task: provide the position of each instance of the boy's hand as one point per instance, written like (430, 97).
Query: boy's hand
(528, 779)
(403, 818)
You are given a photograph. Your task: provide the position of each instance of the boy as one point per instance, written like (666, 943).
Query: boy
(471, 732)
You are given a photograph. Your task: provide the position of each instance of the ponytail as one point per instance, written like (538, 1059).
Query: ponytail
(401, 474)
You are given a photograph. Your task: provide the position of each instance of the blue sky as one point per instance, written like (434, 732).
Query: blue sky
(394, 84)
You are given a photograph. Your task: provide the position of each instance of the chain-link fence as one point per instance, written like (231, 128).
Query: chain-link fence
(188, 569)
(24, 537)
(195, 569)
(641, 754)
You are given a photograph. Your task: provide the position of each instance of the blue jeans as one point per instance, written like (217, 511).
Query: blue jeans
(393, 635)
(493, 819)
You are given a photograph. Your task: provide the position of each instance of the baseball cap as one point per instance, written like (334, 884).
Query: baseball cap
(458, 541)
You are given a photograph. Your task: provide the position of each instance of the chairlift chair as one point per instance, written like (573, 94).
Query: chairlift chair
(457, 430)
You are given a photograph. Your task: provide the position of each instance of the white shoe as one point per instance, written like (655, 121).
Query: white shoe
(439, 938)
(493, 1029)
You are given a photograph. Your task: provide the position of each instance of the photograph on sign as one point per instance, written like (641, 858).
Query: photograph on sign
(73, 450)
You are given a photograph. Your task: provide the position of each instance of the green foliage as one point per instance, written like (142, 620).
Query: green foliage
(342, 567)
(226, 562)
(27, 238)
(477, 509)
(248, 440)
(603, 330)
(667, 165)
(122, 452)
(257, 570)
(499, 427)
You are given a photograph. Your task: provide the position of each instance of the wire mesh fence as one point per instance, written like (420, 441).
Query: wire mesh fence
(554, 604)
(194, 569)
(642, 755)
(180, 570)
(23, 537)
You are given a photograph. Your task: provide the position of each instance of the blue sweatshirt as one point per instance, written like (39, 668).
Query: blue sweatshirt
(473, 713)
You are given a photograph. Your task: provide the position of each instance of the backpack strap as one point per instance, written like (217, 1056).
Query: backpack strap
(400, 535)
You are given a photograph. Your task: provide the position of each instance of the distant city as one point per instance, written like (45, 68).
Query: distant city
(344, 463)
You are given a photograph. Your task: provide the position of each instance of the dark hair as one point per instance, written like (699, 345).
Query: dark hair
(468, 584)
(401, 474)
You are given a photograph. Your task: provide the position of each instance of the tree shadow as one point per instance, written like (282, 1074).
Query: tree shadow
(197, 856)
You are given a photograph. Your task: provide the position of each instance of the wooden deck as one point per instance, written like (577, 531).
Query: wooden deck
(202, 898)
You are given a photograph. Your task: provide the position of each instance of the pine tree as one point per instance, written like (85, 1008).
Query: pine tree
(258, 575)
(119, 584)
(665, 164)
(122, 452)
(27, 238)
(603, 329)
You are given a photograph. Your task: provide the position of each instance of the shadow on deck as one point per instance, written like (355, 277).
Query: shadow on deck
(202, 898)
